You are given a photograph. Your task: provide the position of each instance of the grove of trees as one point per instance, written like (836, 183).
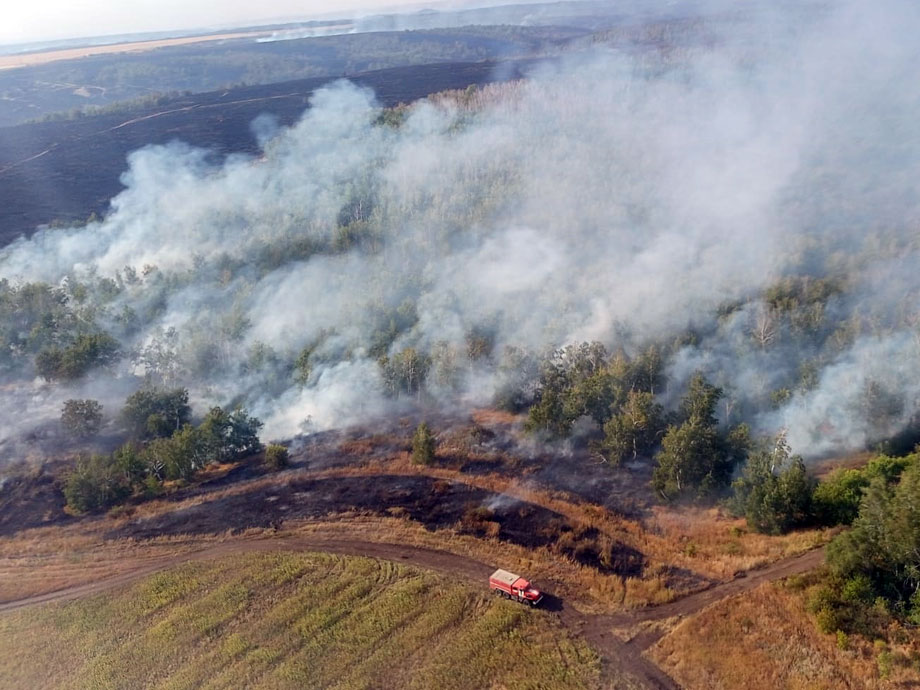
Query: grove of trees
(166, 448)
(874, 566)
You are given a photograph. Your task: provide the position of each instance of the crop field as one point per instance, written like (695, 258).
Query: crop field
(292, 620)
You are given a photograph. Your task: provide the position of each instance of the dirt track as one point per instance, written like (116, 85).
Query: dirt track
(618, 656)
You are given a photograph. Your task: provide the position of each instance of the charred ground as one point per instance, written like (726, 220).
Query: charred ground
(65, 171)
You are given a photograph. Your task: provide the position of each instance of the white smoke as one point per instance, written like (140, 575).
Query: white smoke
(613, 197)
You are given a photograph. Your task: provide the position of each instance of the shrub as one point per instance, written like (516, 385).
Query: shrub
(843, 640)
(277, 457)
(95, 484)
(423, 445)
(828, 620)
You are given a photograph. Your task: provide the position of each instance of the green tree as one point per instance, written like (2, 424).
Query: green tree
(836, 499)
(636, 429)
(423, 445)
(231, 435)
(74, 361)
(181, 455)
(689, 462)
(156, 413)
(882, 547)
(774, 491)
(405, 372)
(128, 460)
(518, 374)
(697, 458)
(699, 402)
(573, 382)
(82, 418)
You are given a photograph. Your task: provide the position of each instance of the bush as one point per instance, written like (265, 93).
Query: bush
(827, 620)
(423, 445)
(843, 640)
(95, 484)
(836, 499)
(276, 457)
(82, 418)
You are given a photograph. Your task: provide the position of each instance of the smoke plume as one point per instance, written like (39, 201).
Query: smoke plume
(625, 197)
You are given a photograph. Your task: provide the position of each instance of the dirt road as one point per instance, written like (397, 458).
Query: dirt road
(618, 657)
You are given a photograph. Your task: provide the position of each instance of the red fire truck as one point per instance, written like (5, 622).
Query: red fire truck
(515, 587)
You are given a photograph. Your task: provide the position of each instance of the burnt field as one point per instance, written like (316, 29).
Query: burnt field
(490, 492)
(435, 503)
(64, 171)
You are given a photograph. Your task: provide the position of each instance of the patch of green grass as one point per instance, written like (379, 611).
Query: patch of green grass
(292, 621)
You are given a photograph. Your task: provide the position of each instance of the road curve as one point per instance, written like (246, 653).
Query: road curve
(617, 656)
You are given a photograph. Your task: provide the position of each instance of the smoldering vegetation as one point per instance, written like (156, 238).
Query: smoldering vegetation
(748, 206)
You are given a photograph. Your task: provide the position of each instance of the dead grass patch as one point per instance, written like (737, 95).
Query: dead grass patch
(764, 640)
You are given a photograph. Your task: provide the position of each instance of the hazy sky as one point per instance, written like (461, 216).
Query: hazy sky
(37, 20)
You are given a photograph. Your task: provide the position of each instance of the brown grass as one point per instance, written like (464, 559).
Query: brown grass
(48, 559)
(41, 58)
(700, 545)
(702, 541)
(765, 640)
(710, 542)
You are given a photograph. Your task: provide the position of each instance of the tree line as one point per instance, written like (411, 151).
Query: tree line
(163, 445)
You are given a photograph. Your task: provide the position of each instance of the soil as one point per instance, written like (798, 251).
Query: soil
(434, 503)
(624, 657)
(350, 471)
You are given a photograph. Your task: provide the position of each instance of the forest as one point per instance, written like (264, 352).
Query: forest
(678, 263)
(450, 253)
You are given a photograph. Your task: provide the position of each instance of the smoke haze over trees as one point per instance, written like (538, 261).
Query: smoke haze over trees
(750, 206)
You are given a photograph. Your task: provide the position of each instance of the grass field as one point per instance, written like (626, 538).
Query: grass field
(292, 621)
(765, 640)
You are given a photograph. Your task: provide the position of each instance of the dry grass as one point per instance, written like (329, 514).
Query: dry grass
(850, 461)
(41, 58)
(704, 544)
(49, 559)
(292, 621)
(707, 541)
(765, 640)
(701, 541)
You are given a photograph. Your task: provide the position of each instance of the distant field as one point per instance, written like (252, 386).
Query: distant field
(292, 621)
(43, 166)
(44, 57)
